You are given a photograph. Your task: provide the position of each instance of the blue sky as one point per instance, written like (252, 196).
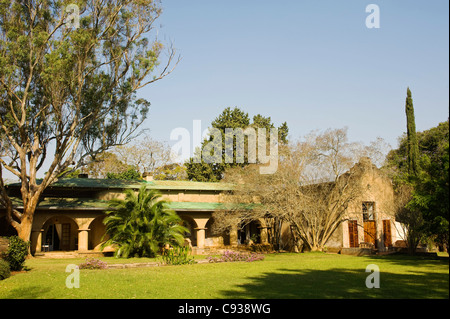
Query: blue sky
(311, 63)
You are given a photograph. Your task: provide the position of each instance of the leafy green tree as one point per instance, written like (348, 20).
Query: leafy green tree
(106, 162)
(142, 224)
(229, 119)
(431, 189)
(428, 201)
(173, 172)
(130, 174)
(69, 74)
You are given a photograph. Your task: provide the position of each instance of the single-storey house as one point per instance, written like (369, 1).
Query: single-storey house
(70, 215)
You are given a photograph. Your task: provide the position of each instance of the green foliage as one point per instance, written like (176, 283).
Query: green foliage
(178, 255)
(229, 119)
(5, 271)
(173, 172)
(69, 90)
(430, 184)
(431, 192)
(130, 174)
(142, 224)
(17, 253)
(68, 174)
(87, 75)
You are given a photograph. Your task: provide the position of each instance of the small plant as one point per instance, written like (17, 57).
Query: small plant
(92, 263)
(17, 253)
(150, 224)
(178, 255)
(230, 256)
(5, 272)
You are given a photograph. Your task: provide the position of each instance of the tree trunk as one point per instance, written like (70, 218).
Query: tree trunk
(26, 223)
(24, 232)
(316, 248)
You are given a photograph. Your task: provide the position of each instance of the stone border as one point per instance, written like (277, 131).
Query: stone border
(150, 264)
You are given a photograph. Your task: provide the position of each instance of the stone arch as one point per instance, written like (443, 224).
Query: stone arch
(250, 232)
(214, 237)
(191, 225)
(97, 231)
(60, 233)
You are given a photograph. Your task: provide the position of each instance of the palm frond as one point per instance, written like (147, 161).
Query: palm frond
(142, 224)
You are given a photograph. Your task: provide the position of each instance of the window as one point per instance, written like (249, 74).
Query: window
(368, 209)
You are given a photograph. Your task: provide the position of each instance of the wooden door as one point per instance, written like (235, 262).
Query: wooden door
(353, 233)
(65, 237)
(369, 232)
(387, 235)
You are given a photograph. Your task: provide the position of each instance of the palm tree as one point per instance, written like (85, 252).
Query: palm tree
(142, 224)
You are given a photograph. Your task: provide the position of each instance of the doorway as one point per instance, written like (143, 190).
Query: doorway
(60, 233)
(370, 230)
(58, 237)
(353, 233)
(387, 235)
(250, 232)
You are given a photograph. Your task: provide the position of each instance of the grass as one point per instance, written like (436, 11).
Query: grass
(310, 275)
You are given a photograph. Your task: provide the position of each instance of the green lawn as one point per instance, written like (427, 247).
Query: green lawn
(310, 275)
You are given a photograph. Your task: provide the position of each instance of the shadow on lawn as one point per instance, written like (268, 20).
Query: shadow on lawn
(342, 283)
(33, 292)
(408, 260)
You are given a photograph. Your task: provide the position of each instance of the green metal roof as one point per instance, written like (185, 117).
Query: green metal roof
(188, 185)
(196, 206)
(135, 184)
(96, 204)
(66, 203)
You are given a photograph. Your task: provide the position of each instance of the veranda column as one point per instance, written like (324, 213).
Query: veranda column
(234, 235)
(201, 222)
(264, 236)
(83, 237)
(200, 237)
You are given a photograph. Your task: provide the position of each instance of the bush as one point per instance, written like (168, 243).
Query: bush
(5, 272)
(178, 255)
(92, 263)
(229, 256)
(17, 253)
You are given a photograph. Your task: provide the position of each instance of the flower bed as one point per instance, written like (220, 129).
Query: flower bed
(230, 256)
(92, 263)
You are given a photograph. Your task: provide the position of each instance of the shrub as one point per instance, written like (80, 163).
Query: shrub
(92, 263)
(141, 224)
(178, 255)
(229, 256)
(5, 272)
(17, 253)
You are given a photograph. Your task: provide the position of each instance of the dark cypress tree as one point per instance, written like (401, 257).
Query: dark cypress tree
(412, 144)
